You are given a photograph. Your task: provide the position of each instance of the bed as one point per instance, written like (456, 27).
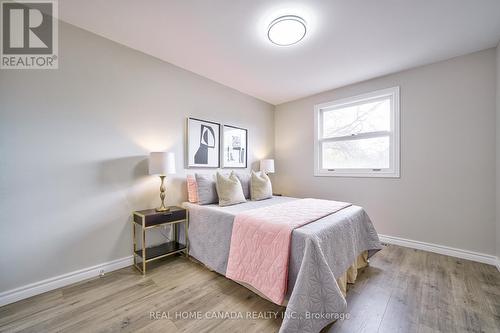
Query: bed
(324, 255)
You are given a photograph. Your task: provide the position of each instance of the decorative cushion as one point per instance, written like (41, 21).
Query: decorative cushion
(245, 183)
(207, 193)
(229, 190)
(192, 189)
(260, 186)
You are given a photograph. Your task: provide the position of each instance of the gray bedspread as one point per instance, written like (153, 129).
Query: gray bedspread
(321, 251)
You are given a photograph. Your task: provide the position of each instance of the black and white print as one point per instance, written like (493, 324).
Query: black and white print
(203, 143)
(235, 147)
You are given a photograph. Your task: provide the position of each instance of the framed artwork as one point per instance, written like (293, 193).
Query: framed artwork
(235, 147)
(203, 144)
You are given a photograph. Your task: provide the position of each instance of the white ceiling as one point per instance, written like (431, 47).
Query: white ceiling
(347, 41)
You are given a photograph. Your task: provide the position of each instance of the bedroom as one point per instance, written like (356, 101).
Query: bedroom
(208, 83)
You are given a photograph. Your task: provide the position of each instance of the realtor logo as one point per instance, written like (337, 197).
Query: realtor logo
(29, 35)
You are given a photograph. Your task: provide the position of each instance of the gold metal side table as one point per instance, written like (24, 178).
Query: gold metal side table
(149, 219)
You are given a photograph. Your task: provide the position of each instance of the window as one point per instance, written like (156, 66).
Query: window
(358, 136)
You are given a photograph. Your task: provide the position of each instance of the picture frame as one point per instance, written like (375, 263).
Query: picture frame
(203, 143)
(234, 147)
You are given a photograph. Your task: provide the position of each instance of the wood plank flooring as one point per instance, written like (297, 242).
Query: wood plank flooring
(403, 290)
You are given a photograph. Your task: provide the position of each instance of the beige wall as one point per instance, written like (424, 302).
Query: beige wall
(73, 144)
(445, 194)
(498, 154)
(74, 141)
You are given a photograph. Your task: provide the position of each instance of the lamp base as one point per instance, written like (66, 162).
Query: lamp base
(162, 209)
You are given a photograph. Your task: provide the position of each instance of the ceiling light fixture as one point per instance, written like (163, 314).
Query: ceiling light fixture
(287, 30)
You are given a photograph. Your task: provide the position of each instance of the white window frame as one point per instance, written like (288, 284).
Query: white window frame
(394, 162)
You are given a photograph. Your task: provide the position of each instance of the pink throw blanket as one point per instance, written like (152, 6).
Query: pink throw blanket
(260, 243)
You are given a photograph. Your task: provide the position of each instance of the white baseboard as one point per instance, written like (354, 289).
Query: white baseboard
(441, 249)
(60, 281)
(14, 295)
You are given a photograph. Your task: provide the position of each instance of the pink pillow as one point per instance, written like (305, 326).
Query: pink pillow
(192, 189)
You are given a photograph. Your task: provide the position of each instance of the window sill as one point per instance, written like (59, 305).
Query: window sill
(358, 175)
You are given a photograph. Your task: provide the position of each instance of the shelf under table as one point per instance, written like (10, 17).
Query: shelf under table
(162, 250)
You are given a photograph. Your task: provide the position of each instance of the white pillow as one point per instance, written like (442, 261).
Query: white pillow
(260, 186)
(229, 190)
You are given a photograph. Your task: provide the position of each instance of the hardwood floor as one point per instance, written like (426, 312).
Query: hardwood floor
(403, 290)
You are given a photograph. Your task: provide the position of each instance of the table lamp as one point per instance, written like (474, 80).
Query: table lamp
(162, 164)
(267, 166)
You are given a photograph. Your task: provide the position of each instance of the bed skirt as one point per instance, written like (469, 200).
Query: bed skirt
(352, 272)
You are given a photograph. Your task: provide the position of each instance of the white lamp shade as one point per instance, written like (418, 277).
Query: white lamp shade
(161, 163)
(267, 166)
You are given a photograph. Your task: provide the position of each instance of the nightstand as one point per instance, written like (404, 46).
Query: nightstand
(149, 219)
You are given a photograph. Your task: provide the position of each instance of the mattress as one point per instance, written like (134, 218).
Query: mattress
(325, 248)
(210, 228)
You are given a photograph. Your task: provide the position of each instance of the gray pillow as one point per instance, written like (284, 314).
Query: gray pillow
(260, 186)
(207, 193)
(229, 190)
(245, 183)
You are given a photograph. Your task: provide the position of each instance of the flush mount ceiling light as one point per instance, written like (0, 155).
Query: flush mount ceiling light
(287, 30)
